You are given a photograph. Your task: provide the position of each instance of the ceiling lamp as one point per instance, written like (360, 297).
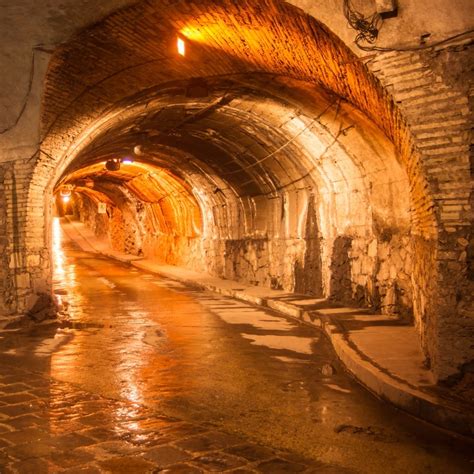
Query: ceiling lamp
(138, 150)
(112, 165)
(65, 192)
(181, 46)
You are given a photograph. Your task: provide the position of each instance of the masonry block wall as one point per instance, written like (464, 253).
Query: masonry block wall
(7, 286)
(432, 90)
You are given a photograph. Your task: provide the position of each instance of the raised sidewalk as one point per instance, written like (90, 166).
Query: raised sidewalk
(380, 351)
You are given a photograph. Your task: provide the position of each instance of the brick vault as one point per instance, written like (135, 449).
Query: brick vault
(274, 152)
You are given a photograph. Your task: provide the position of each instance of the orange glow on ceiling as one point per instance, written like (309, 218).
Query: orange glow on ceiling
(193, 34)
(173, 209)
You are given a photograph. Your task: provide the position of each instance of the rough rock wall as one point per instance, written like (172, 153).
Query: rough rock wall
(7, 290)
(128, 228)
(434, 92)
(371, 271)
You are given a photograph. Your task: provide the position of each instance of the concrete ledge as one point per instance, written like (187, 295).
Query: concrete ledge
(286, 308)
(440, 412)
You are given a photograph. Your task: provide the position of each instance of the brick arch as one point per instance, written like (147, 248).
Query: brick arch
(133, 50)
(105, 62)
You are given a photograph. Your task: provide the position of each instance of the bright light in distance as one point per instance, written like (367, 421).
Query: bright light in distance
(181, 46)
(127, 161)
(66, 199)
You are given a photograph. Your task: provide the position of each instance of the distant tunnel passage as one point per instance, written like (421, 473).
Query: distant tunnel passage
(287, 187)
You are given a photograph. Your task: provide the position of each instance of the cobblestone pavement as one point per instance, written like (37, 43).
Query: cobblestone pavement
(142, 374)
(48, 426)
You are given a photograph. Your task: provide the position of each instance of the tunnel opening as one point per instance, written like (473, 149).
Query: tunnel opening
(278, 184)
(137, 208)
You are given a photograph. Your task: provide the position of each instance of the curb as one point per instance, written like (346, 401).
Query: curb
(416, 402)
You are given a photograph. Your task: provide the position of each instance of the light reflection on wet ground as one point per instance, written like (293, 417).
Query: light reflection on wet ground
(132, 343)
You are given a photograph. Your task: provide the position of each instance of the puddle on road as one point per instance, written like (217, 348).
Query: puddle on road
(47, 346)
(238, 313)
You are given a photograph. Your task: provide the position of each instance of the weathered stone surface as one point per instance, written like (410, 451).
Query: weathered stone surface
(43, 308)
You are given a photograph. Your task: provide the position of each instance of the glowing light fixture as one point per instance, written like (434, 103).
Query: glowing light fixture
(66, 191)
(112, 165)
(181, 44)
(127, 161)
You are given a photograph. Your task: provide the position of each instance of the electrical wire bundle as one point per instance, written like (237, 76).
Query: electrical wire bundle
(367, 27)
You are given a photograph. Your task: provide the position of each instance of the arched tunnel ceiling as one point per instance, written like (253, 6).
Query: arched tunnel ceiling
(102, 71)
(134, 49)
(249, 141)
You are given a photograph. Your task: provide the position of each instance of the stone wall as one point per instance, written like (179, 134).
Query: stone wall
(373, 271)
(7, 287)
(432, 90)
(26, 268)
(129, 227)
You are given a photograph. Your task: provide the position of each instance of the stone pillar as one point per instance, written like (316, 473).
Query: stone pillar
(25, 283)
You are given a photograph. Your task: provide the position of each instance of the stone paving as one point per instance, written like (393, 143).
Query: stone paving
(48, 426)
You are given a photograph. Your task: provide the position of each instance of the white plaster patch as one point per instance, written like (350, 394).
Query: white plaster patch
(11, 352)
(255, 318)
(290, 360)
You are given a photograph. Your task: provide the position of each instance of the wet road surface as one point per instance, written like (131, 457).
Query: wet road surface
(147, 375)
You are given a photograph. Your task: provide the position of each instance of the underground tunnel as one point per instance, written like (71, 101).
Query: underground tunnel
(253, 143)
(293, 171)
(253, 187)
